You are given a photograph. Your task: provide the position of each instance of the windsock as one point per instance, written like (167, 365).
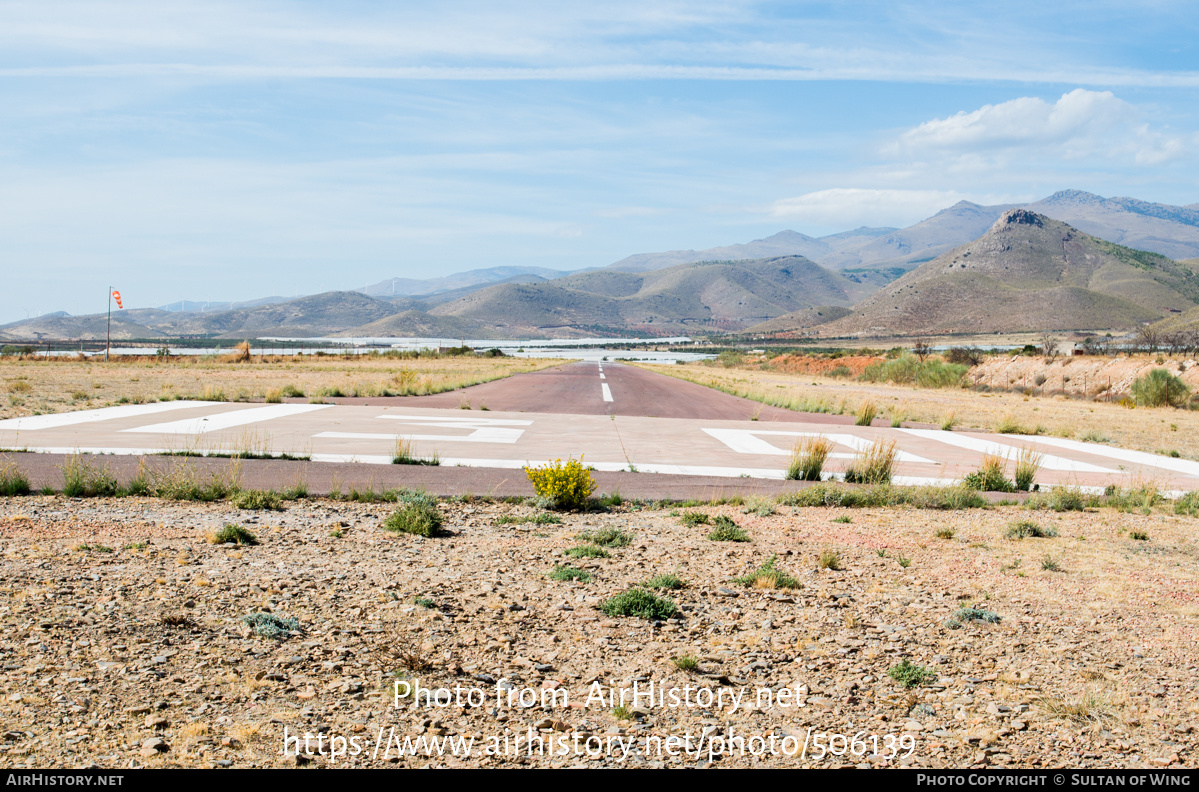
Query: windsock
(116, 295)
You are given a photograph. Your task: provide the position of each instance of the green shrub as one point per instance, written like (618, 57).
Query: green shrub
(911, 675)
(639, 602)
(568, 484)
(910, 370)
(233, 534)
(693, 518)
(1140, 536)
(725, 530)
(971, 614)
(1028, 529)
(82, 479)
(570, 573)
(258, 500)
(608, 537)
(686, 662)
(668, 582)
(926, 497)
(829, 559)
(183, 482)
(1188, 504)
(587, 551)
(1059, 499)
(13, 481)
(990, 476)
(417, 518)
(1160, 388)
(1141, 498)
(268, 625)
(767, 577)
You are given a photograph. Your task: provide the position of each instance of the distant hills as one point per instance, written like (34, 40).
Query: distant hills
(710, 295)
(1051, 265)
(1027, 272)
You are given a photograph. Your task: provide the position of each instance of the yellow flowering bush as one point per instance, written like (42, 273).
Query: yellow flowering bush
(569, 484)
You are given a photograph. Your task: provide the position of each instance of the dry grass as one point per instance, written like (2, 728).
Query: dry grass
(808, 458)
(1142, 429)
(38, 387)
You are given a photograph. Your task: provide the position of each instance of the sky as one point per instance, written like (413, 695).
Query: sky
(232, 150)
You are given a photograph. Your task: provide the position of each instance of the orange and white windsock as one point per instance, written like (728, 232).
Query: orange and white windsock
(116, 295)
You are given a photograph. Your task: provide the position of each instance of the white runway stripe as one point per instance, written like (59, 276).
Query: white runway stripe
(35, 422)
(607, 393)
(1123, 454)
(227, 420)
(1048, 461)
(746, 441)
(483, 434)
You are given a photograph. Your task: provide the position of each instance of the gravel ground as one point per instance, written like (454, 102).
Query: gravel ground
(123, 641)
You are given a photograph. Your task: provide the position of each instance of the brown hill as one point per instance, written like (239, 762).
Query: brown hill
(1027, 273)
(729, 295)
(801, 320)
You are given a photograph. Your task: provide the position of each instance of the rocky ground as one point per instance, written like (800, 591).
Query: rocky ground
(123, 641)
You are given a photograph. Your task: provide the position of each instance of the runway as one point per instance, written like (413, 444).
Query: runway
(614, 417)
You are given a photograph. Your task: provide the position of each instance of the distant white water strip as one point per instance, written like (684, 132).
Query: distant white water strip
(1124, 455)
(227, 420)
(1048, 461)
(607, 392)
(35, 422)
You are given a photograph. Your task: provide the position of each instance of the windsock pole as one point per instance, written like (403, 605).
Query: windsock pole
(108, 339)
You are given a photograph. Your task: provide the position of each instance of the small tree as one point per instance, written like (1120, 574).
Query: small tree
(922, 349)
(1148, 339)
(1049, 346)
(1159, 388)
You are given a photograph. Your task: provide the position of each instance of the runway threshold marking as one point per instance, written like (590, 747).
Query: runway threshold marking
(607, 392)
(35, 422)
(1048, 461)
(227, 420)
(1124, 455)
(746, 441)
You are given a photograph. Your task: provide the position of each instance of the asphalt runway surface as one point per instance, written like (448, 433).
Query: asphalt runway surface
(641, 431)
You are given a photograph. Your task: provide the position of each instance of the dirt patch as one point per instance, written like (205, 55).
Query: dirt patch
(139, 655)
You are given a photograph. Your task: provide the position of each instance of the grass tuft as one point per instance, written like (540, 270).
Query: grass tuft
(808, 457)
(767, 577)
(910, 675)
(641, 603)
(233, 534)
(874, 465)
(725, 530)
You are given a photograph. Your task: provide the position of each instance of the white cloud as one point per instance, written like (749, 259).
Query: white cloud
(1080, 124)
(844, 208)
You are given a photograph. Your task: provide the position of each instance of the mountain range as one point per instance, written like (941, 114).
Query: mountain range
(959, 269)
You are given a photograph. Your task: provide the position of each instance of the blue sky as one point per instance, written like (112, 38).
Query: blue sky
(214, 150)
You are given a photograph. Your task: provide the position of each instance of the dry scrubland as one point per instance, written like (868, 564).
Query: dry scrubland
(31, 387)
(1055, 406)
(123, 641)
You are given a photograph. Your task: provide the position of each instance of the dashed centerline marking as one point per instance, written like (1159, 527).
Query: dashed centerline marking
(607, 392)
